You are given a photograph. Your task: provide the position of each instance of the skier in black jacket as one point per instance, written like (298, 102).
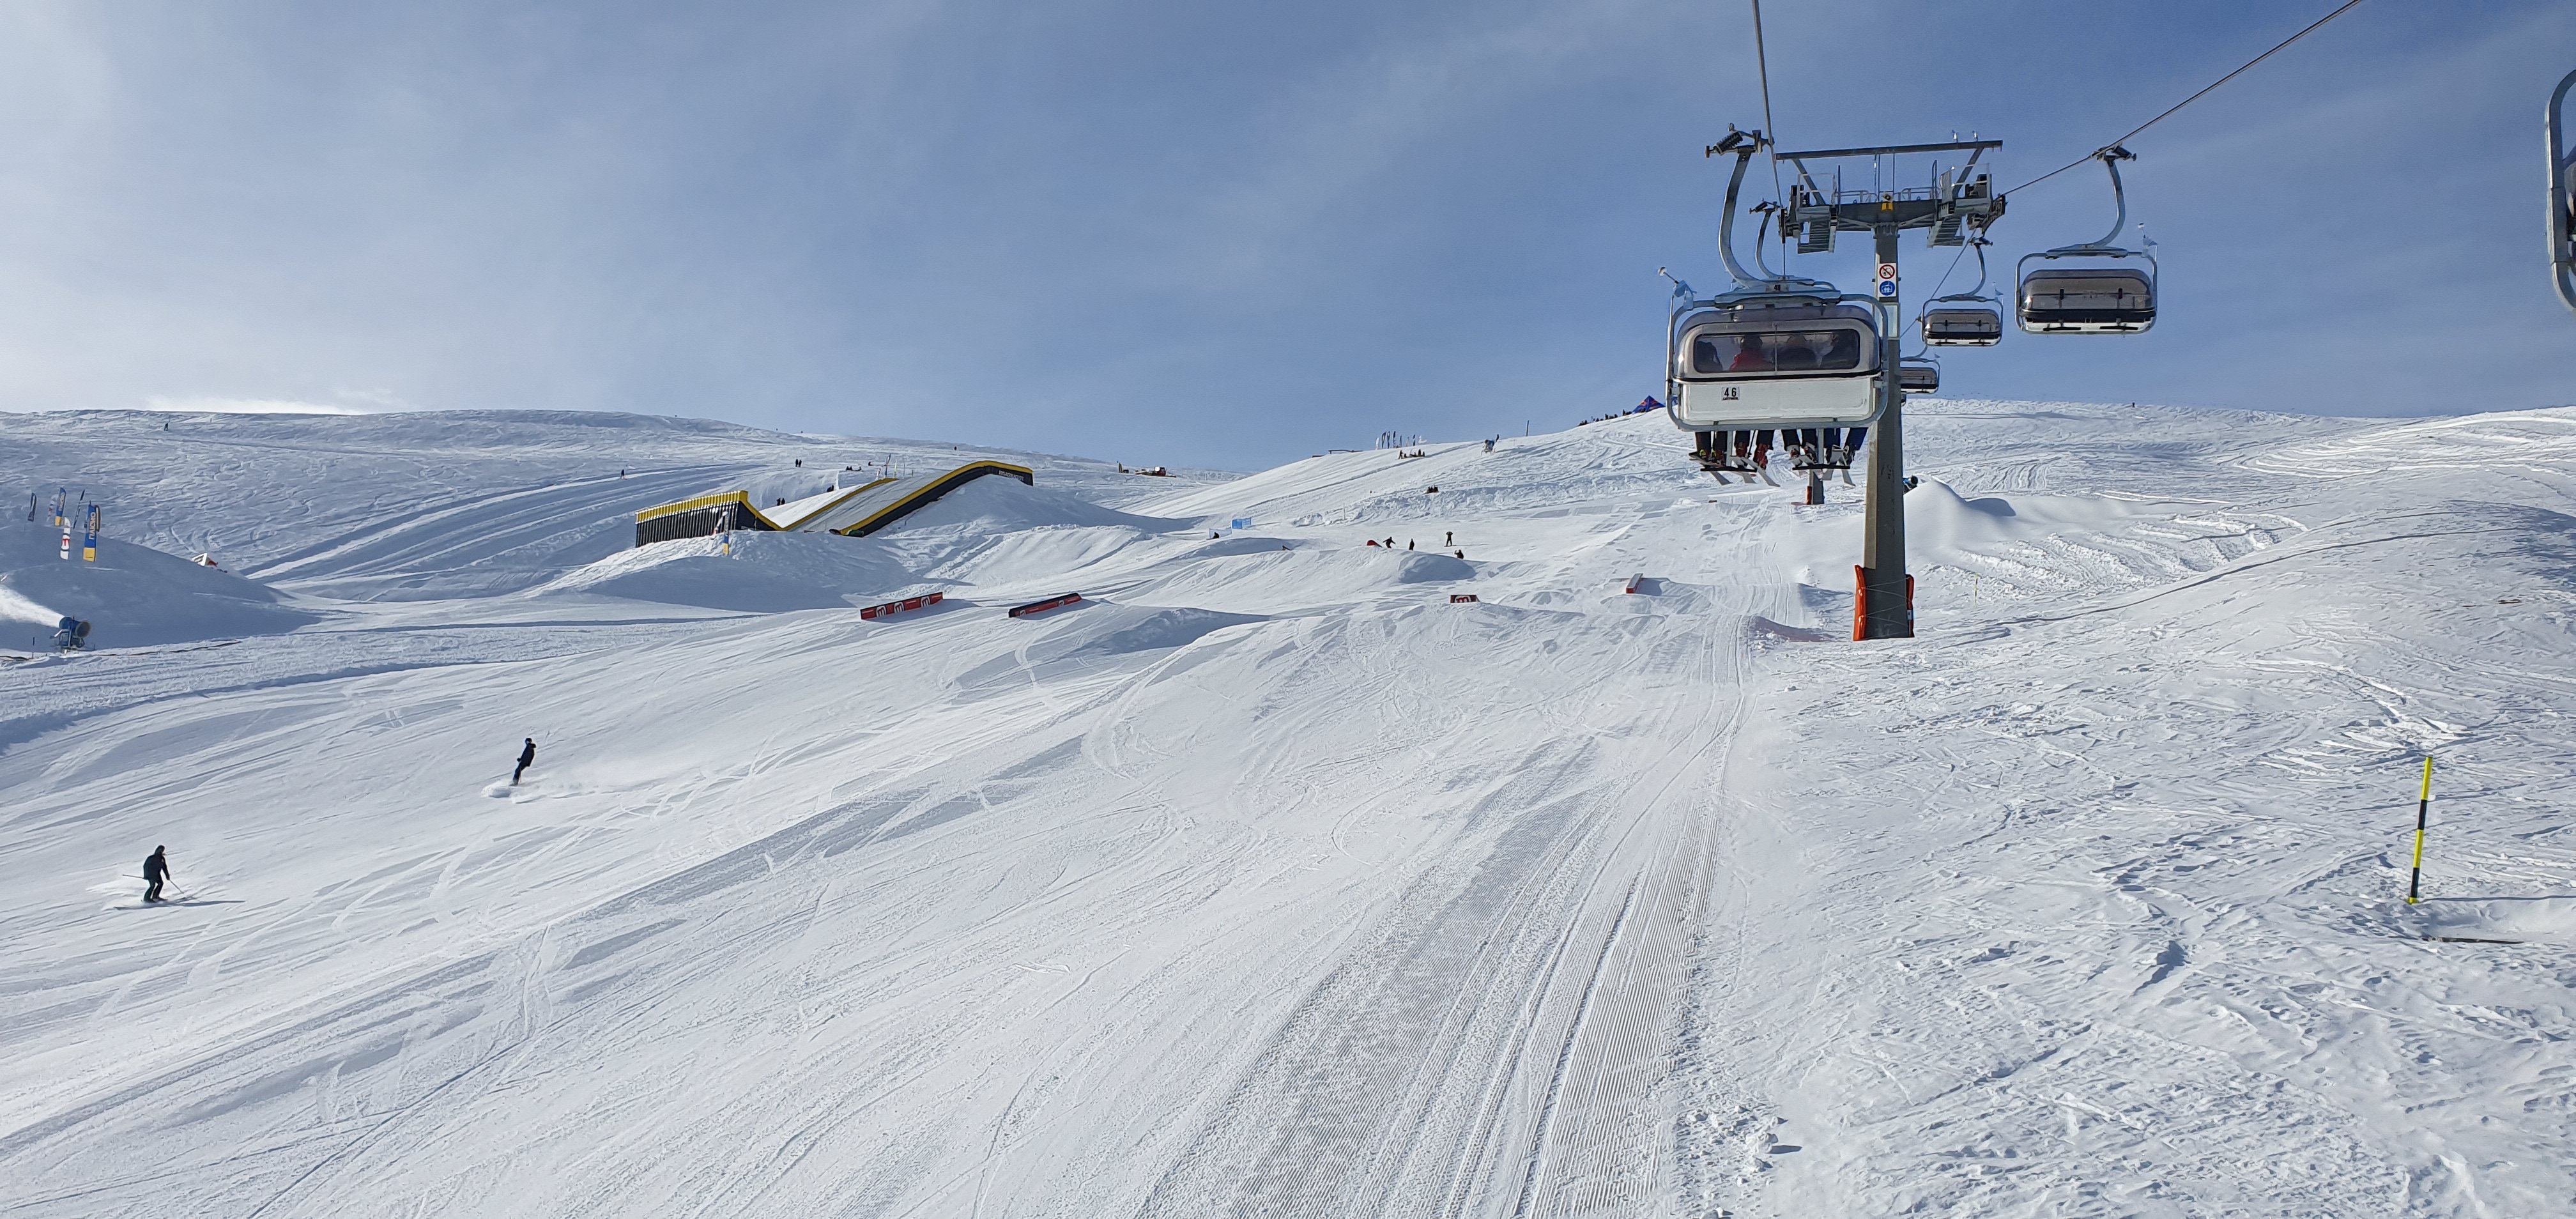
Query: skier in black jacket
(527, 755)
(156, 868)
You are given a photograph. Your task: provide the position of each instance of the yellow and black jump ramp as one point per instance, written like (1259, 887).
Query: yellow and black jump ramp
(700, 517)
(855, 513)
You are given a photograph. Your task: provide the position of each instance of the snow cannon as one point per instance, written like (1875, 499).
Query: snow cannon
(71, 635)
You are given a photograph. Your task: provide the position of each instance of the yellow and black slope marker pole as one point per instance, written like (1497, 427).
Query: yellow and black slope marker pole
(2423, 806)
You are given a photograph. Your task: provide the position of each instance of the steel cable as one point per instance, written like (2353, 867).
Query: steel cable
(2347, 7)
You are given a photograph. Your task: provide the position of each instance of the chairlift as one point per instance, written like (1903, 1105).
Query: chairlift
(1916, 375)
(1963, 326)
(2105, 293)
(1778, 351)
(1965, 319)
(1776, 362)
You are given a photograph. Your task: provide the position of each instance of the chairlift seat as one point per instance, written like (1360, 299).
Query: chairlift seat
(2087, 300)
(1769, 365)
(1923, 378)
(1963, 326)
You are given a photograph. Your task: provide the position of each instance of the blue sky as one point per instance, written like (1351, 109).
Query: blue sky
(1203, 234)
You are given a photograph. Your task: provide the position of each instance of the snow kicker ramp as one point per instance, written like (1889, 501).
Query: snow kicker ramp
(855, 512)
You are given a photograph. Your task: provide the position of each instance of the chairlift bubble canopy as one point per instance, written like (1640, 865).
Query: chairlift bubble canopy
(1963, 326)
(1776, 362)
(2088, 300)
(1919, 377)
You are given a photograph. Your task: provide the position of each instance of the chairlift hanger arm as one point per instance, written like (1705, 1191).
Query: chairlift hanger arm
(2562, 214)
(2111, 158)
(1744, 144)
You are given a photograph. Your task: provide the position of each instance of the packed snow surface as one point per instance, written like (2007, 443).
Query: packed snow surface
(1268, 879)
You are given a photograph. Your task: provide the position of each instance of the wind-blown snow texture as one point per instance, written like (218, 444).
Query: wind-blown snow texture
(1268, 881)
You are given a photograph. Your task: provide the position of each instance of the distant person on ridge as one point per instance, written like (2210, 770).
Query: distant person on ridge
(527, 757)
(156, 868)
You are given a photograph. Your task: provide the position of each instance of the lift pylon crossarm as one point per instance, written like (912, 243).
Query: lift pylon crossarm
(1974, 146)
(1955, 204)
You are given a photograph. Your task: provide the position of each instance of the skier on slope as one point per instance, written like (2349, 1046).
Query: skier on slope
(156, 868)
(527, 757)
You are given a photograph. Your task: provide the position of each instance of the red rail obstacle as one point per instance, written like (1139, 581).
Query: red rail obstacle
(896, 607)
(1040, 607)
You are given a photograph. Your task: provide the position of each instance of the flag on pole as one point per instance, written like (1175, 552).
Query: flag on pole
(89, 547)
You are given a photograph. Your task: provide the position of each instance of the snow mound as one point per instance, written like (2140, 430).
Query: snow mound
(767, 573)
(2528, 920)
(1944, 523)
(1096, 632)
(135, 595)
(1277, 581)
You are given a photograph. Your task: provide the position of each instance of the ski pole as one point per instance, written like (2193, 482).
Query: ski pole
(2423, 807)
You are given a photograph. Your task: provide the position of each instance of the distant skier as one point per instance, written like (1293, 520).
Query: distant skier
(1408, 543)
(1449, 538)
(527, 758)
(156, 868)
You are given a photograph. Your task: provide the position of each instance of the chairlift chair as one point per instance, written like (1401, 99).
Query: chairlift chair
(1916, 375)
(1779, 350)
(1963, 326)
(1965, 319)
(1775, 361)
(2106, 293)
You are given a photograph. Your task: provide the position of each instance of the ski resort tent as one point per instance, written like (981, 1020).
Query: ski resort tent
(851, 512)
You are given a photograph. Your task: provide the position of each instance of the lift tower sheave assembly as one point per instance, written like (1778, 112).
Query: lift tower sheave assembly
(1956, 206)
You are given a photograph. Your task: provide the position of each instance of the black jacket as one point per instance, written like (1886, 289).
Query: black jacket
(527, 755)
(154, 867)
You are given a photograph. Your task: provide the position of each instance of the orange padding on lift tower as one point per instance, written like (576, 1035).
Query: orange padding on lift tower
(1860, 601)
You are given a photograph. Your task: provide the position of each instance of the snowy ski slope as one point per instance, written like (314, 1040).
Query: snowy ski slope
(1268, 881)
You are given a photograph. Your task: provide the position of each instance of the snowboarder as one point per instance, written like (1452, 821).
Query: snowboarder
(1408, 543)
(527, 757)
(1449, 538)
(1462, 554)
(156, 868)
(1390, 543)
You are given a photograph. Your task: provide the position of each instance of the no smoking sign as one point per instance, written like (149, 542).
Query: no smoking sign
(1887, 281)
